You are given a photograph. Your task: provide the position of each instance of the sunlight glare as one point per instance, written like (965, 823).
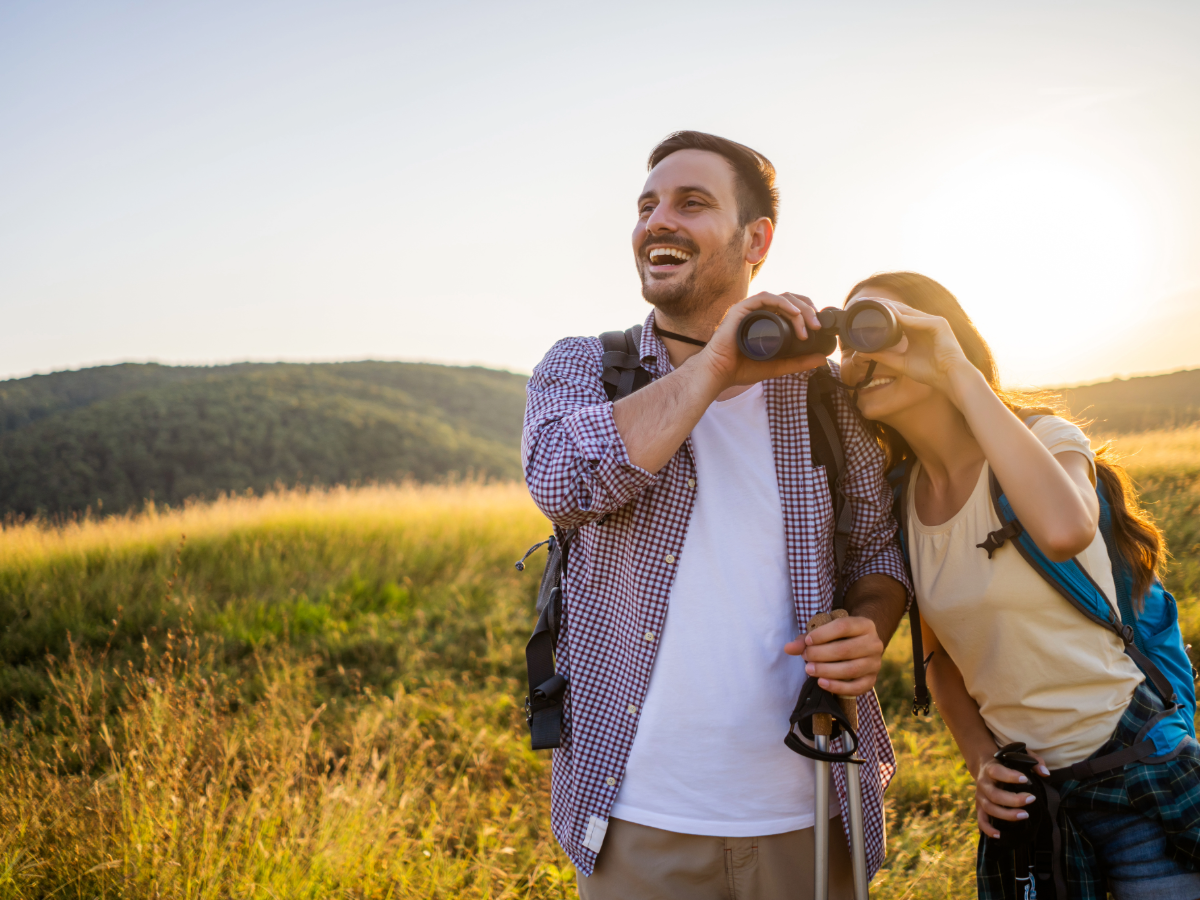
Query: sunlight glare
(1045, 252)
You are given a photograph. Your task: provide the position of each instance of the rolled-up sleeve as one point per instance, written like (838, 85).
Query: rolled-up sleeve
(874, 548)
(576, 465)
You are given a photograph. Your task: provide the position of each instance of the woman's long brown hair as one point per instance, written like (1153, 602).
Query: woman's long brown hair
(1138, 539)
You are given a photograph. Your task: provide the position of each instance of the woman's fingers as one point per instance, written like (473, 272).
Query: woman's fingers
(995, 772)
(1006, 813)
(984, 825)
(1000, 797)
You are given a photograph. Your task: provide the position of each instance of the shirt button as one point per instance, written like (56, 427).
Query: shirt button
(691, 482)
(649, 635)
(610, 781)
(669, 558)
(631, 709)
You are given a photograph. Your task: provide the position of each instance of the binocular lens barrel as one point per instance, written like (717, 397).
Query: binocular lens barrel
(867, 326)
(868, 331)
(765, 337)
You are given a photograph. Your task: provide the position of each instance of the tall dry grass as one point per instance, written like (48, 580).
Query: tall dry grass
(316, 693)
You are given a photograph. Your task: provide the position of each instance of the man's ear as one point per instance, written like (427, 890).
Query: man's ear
(760, 233)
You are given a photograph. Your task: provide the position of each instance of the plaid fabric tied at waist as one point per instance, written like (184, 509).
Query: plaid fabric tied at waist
(1167, 792)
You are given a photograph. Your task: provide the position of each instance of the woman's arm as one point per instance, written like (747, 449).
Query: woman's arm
(961, 714)
(1053, 497)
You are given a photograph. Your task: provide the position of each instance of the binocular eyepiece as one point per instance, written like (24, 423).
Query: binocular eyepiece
(868, 326)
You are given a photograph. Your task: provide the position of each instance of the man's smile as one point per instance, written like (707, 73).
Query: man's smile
(665, 260)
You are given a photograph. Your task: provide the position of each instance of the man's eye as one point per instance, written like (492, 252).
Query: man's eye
(648, 208)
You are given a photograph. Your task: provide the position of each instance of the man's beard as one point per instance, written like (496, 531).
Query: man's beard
(708, 282)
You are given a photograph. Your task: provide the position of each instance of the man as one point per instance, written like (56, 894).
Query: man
(704, 548)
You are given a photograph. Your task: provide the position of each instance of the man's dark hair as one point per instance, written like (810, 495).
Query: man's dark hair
(755, 176)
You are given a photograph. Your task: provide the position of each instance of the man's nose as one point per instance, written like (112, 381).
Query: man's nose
(662, 220)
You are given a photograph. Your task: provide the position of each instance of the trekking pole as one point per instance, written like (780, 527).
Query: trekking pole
(822, 728)
(858, 848)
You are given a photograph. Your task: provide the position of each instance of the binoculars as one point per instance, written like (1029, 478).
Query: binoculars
(868, 326)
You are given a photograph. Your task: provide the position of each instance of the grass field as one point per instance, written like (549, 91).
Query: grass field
(316, 694)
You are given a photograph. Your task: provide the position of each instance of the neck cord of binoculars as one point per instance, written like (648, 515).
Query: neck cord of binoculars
(662, 332)
(866, 379)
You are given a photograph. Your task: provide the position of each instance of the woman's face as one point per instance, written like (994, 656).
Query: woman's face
(888, 394)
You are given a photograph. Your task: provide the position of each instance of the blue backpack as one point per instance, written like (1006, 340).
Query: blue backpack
(1151, 638)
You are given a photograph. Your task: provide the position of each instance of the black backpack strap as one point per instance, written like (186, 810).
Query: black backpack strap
(623, 374)
(623, 371)
(825, 442)
(547, 688)
(920, 704)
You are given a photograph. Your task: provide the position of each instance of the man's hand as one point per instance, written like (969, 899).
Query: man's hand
(731, 368)
(844, 655)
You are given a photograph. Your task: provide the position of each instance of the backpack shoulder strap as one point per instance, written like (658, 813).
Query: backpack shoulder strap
(900, 478)
(623, 371)
(825, 442)
(1044, 567)
(623, 374)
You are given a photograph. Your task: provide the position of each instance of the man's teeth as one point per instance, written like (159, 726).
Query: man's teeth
(875, 382)
(681, 255)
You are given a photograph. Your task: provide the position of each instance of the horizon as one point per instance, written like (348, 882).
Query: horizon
(492, 368)
(267, 182)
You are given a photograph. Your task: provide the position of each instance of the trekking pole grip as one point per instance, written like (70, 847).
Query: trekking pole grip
(822, 723)
(849, 704)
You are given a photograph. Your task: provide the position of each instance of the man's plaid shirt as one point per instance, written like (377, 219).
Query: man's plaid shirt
(624, 558)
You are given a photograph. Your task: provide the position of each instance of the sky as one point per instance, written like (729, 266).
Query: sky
(456, 182)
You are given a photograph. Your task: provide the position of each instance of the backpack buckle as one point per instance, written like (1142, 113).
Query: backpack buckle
(996, 539)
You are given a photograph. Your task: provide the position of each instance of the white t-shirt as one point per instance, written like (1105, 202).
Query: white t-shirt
(709, 757)
(1040, 672)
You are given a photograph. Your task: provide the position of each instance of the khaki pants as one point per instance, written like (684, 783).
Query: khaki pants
(641, 863)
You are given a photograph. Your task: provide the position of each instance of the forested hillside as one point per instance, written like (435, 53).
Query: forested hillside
(111, 436)
(1139, 404)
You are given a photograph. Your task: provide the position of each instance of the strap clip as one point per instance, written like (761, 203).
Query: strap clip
(996, 539)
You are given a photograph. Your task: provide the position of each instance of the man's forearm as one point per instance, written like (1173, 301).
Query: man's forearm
(880, 598)
(655, 421)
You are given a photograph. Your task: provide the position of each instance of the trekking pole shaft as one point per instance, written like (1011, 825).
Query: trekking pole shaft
(822, 726)
(858, 846)
(821, 824)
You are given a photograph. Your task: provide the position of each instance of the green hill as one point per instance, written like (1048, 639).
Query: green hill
(108, 437)
(111, 436)
(1139, 404)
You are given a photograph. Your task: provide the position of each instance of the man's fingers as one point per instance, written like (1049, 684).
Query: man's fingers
(840, 629)
(853, 688)
(850, 670)
(808, 309)
(863, 646)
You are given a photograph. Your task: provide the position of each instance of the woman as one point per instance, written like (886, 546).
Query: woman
(1010, 659)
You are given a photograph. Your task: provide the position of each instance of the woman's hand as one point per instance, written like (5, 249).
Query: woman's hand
(929, 352)
(993, 800)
